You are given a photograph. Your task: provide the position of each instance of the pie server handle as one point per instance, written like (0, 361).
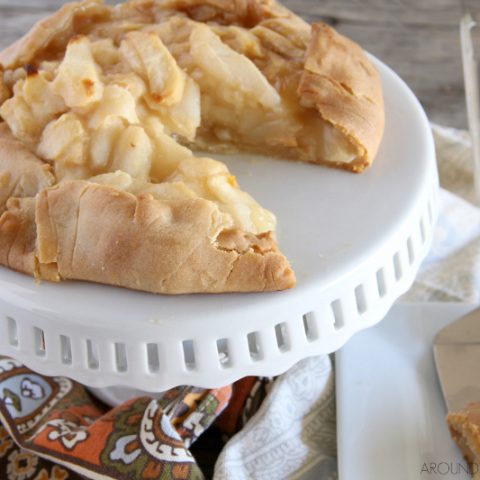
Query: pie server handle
(456, 350)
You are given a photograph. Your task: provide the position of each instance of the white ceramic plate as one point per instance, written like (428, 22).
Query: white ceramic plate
(390, 410)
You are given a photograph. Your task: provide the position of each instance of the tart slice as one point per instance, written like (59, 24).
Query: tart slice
(465, 430)
(102, 106)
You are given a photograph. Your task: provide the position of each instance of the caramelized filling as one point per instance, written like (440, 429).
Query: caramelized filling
(116, 100)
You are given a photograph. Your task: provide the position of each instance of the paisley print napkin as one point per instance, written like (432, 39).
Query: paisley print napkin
(64, 434)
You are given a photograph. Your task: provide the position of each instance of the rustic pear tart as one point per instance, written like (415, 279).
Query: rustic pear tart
(101, 109)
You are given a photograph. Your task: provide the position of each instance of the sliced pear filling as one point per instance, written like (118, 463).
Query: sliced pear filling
(201, 178)
(211, 180)
(125, 122)
(117, 102)
(182, 118)
(63, 141)
(247, 110)
(32, 107)
(149, 58)
(124, 108)
(89, 119)
(133, 152)
(77, 80)
(165, 80)
(219, 63)
(102, 143)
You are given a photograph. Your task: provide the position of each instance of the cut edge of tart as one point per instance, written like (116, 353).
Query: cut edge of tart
(100, 105)
(464, 427)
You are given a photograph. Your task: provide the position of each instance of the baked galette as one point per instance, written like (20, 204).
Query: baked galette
(102, 107)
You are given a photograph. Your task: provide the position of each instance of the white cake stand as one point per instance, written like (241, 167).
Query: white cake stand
(355, 242)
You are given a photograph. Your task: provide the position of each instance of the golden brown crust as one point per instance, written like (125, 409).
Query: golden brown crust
(465, 430)
(56, 28)
(342, 84)
(4, 90)
(22, 174)
(245, 13)
(54, 31)
(17, 235)
(152, 245)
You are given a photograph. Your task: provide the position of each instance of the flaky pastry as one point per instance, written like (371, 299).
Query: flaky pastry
(103, 105)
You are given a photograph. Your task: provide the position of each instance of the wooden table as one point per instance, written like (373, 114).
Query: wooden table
(417, 38)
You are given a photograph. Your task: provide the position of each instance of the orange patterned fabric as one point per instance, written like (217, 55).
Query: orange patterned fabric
(230, 419)
(69, 436)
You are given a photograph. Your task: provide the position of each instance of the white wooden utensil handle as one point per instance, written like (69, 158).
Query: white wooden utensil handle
(470, 40)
